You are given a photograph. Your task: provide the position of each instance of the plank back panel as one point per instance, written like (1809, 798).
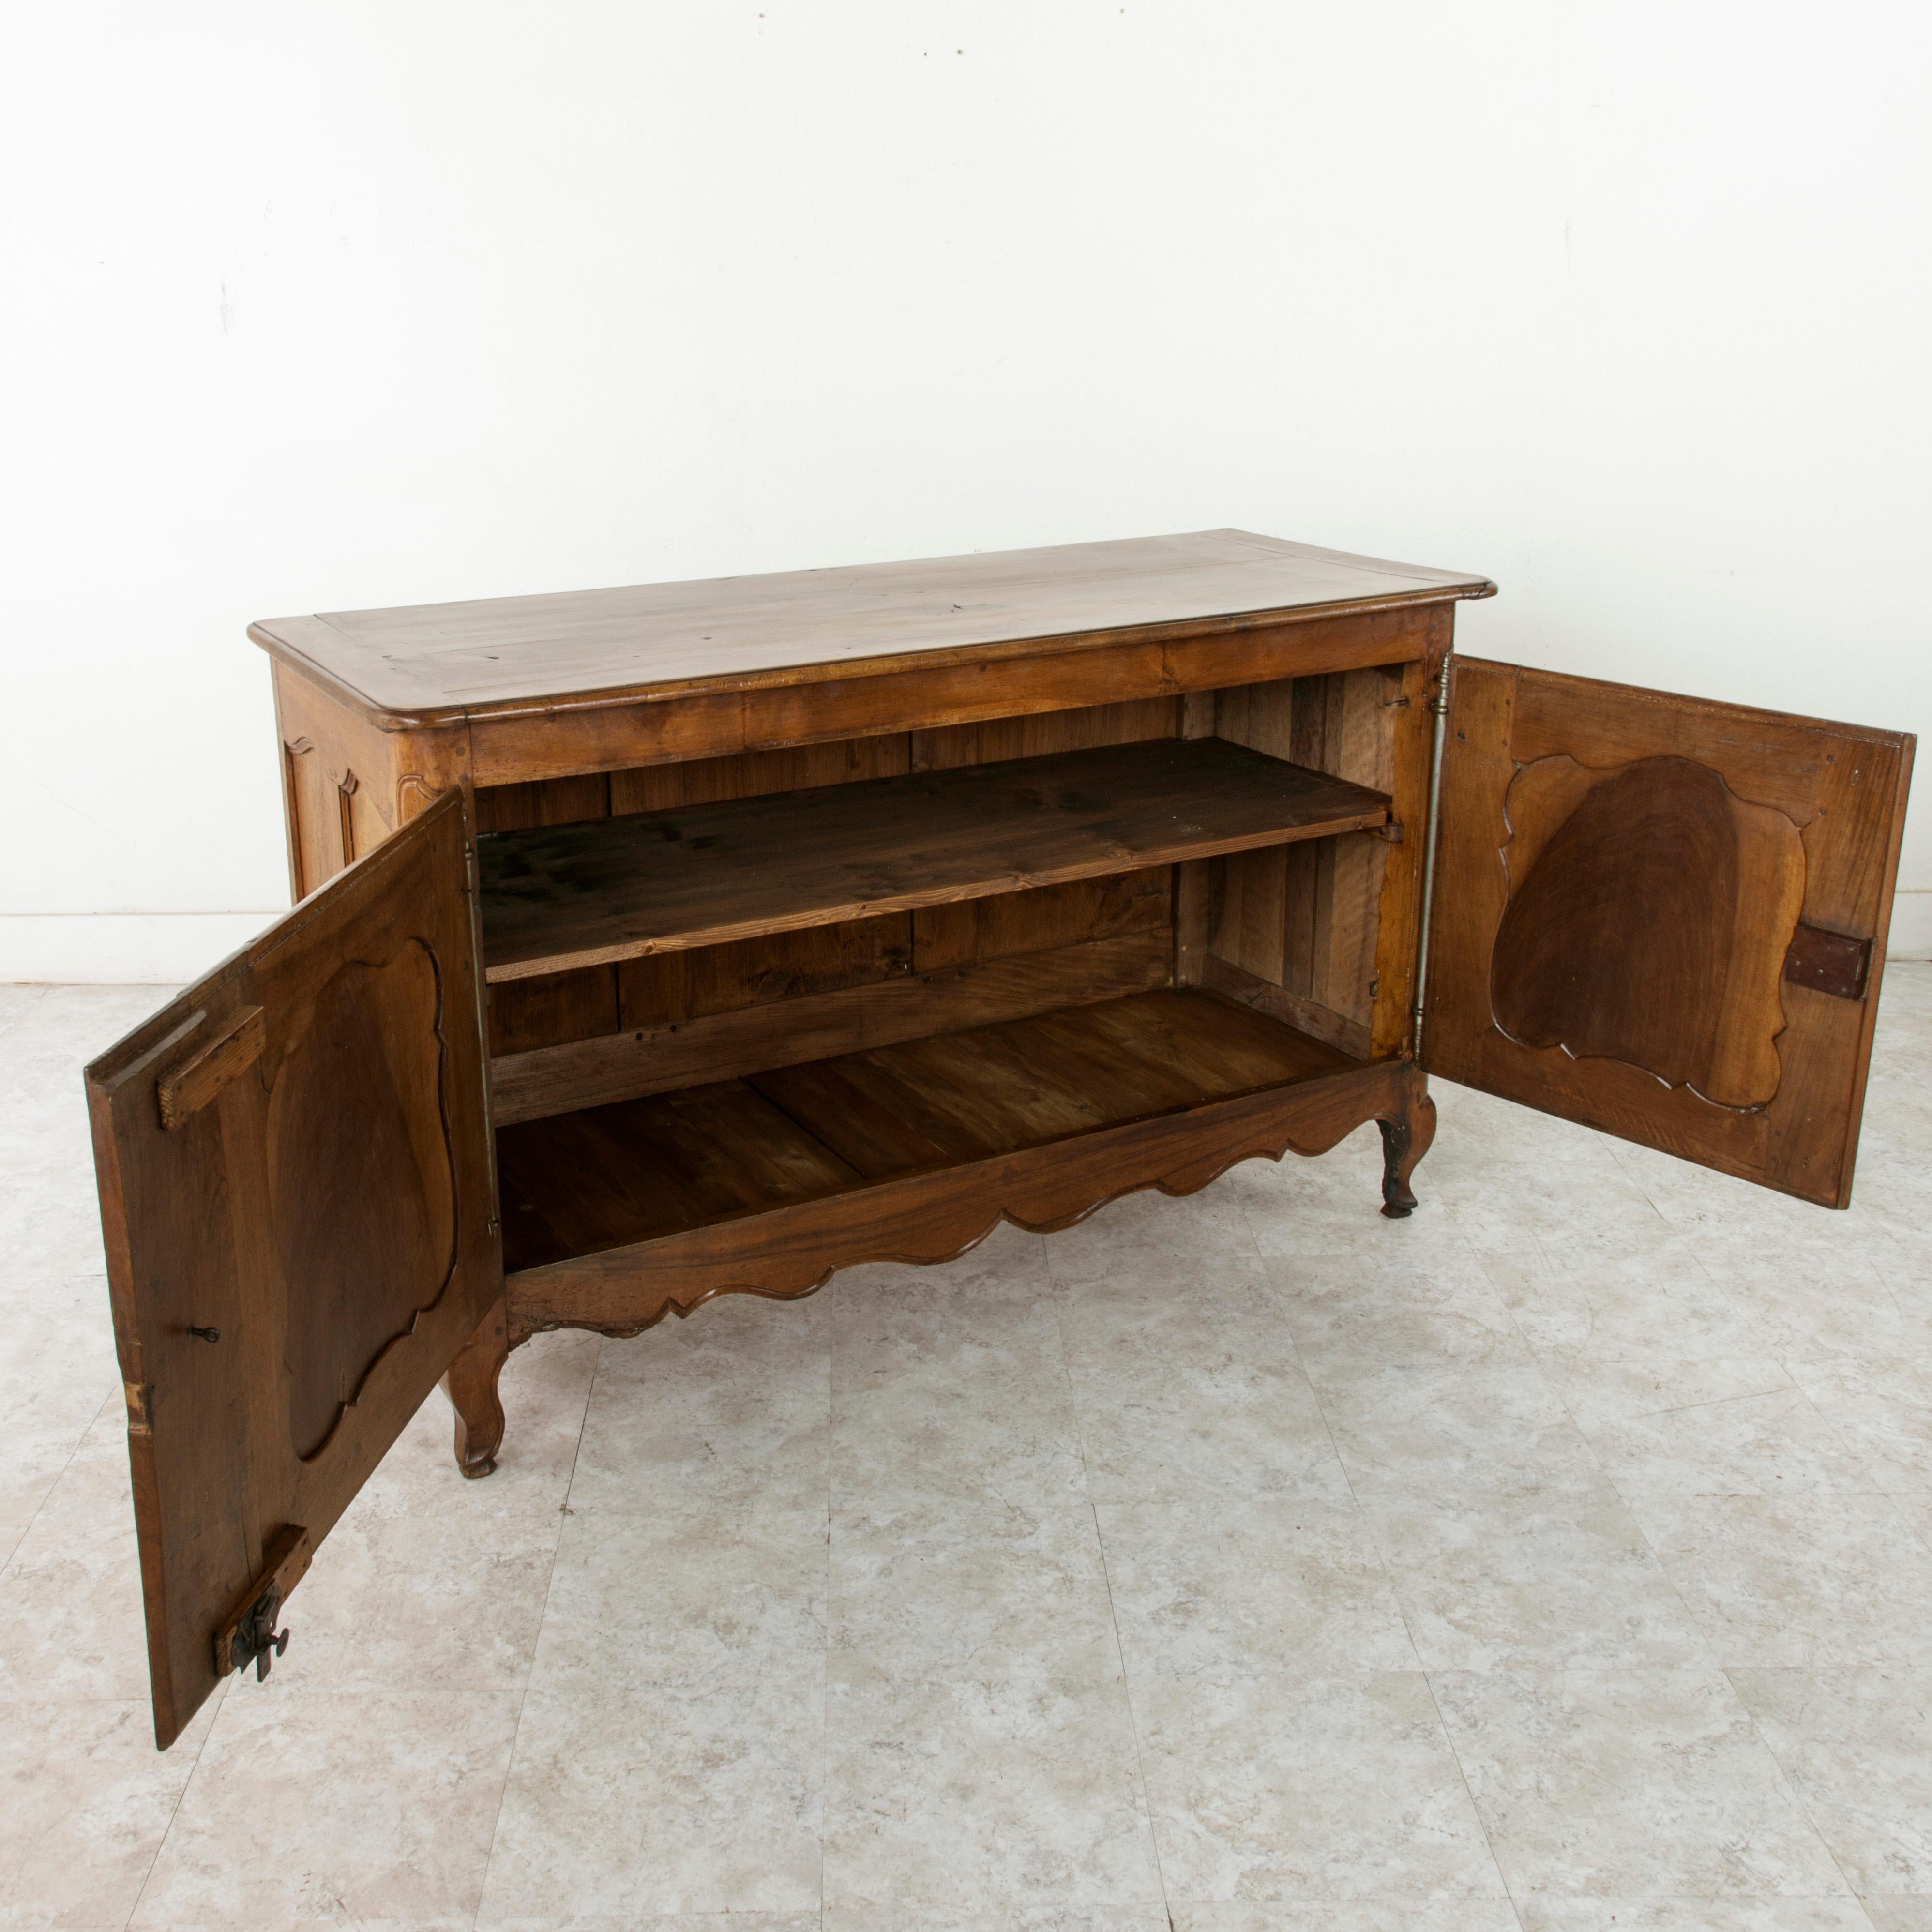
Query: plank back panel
(1306, 917)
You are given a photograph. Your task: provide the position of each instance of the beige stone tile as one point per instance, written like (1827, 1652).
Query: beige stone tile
(1797, 1582)
(1009, 1261)
(1881, 1408)
(928, 1401)
(1693, 1915)
(1773, 1445)
(1348, 1313)
(1629, 1783)
(355, 1805)
(1228, 1590)
(1899, 1913)
(997, 1917)
(1813, 1305)
(1452, 1433)
(50, 1224)
(1439, 1915)
(1331, 1203)
(1603, 1396)
(661, 1800)
(1580, 1302)
(71, 1621)
(665, 1921)
(1148, 1228)
(46, 1425)
(725, 1599)
(1696, 1201)
(459, 1592)
(1577, 1195)
(1180, 1396)
(89, 1801)
(1547, 1580)
(735, 1401)
(1854, 1744)
(1293, 1789)
(985, 1791)
(545, 1387)
(957, 1586)
(425, 1558)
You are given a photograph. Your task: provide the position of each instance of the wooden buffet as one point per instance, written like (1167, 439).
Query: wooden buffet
(661, 943)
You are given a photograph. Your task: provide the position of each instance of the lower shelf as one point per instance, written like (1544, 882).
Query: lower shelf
(581, 1184)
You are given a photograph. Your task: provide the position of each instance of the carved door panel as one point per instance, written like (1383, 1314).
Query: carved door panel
(1665, 918)
(296, 1191)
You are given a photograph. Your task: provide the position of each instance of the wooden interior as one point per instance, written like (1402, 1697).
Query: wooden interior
(557, 897)
(1291, 929)
(581, 1183)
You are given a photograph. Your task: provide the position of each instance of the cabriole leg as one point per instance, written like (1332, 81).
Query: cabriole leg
(471, 1387)
(1405, 1139)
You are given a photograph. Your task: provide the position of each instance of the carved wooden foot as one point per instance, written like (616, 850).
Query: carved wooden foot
(471, 1387)
(1405, 1139)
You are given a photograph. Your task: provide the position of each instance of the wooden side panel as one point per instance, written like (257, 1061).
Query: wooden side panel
(1307, 918)
(1622, 877)
(529, 1013)
(347, 786)
(325, 1217)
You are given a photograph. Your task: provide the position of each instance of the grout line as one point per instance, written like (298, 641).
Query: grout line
(1059, 1290)
(543, 1617)
(1382, 1557)
(834, 1330)
(1791, 1784)
(180, 1797)
(113, 1396)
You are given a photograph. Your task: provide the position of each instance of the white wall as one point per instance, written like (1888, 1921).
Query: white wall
(324, 306)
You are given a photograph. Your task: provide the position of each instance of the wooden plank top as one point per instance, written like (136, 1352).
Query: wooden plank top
(559, 897)
(436, 663)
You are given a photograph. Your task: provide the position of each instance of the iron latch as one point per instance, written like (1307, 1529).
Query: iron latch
(247, 1634)
(255, 1639)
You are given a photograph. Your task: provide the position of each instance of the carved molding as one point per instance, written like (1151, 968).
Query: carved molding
(1650, 912)
(365, 1219)
(787, 1253)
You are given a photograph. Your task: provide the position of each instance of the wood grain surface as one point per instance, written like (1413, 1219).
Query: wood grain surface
(578, 896)
(788, 1249)
(295, 1264)
(434, 662)
(1622, 875)
(606, 1177)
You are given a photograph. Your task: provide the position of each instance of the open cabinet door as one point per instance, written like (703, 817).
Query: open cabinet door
(296, 1193)
(1665, 918)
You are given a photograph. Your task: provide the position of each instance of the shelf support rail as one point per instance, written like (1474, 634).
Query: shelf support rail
(1439, 706)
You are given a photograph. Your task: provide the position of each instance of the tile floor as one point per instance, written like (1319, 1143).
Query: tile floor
(1561, 1559)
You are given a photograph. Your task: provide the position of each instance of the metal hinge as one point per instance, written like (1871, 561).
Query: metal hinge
(247, 1634)
(1438, 706)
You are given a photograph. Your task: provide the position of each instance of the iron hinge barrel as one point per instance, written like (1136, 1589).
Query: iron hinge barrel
(1439, 706)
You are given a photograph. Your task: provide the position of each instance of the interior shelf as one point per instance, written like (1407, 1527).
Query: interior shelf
(581, 1184)
(557, 897)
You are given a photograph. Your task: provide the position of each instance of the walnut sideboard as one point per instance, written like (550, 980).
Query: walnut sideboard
(658, 943)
